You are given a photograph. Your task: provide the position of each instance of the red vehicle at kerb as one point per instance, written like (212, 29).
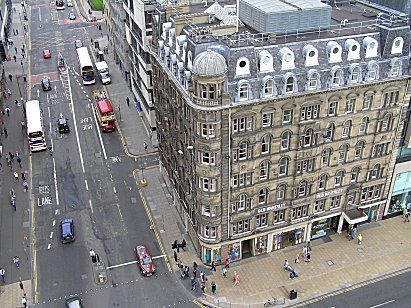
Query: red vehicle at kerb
(104, 112)
(144, 260)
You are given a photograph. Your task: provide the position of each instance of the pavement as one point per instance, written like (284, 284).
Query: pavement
(336, 263)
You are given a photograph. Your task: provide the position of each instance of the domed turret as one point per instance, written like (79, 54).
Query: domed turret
(208, 64)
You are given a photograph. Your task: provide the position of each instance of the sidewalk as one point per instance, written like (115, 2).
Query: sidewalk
(12, 242)
(335, 263)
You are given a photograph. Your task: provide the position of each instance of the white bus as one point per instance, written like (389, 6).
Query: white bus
(60, 5)
(34, 124)
(86, 66)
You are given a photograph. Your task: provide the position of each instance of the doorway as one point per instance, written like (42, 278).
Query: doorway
(246, 249)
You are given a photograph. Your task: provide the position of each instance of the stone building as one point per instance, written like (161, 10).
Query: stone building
(281, 130)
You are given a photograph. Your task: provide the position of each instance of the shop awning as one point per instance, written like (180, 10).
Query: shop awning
(354, 216)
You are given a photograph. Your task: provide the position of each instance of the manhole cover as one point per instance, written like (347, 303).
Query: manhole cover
(330, 262)
(133, 200)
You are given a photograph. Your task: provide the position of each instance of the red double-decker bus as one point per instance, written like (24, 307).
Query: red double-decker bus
(104, 112)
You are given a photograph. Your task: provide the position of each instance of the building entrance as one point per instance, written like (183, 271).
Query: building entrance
(246, 249)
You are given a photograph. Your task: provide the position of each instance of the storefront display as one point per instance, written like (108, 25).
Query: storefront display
(277, 242)
(261, 244)
(319, 228)
(210, 255)
(401, 194)
(289, 238)
(234, 251)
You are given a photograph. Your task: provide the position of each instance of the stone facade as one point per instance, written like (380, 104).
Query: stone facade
(295, 139)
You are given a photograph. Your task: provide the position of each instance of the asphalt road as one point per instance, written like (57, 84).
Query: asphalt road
(89, 179)
(390, 293)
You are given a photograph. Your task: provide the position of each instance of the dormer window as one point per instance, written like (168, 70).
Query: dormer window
(352, 47)
(268, 87)
(287, 58)
(336, 77)
(334, 52)
(243, 91)
(355, 71)
(397, 45)
(371, 47)
(266, 61)
(310, 55)
(243, 67)
(313, 80)
(290, 83)
(395, 69)
(372, 71)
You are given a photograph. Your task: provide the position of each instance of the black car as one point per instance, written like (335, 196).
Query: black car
(63, 125)
(73, 302)
(45, 83)
(67, 231)
(78, 43)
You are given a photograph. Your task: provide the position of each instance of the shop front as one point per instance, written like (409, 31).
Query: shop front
(260, 244)
(288, 238)
(210, 255)
(320, 227)
(400, 196)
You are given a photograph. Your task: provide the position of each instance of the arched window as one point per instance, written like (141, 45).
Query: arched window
(322, 182)
(263, 196)
(375, 172)
(313, 81)
(281, 192)
(308, 139)
(359, 149)
(346, 129)
(342, 153)
(285, 140)
(336, 78)
(329, 134)
(268, 88)
(372, 72)
(355, 74)
(283, 166)
(339, 176)
(264, 170)
(303, 189)
(242, 151)
(364, 126)
(243, 92)
(325, 159)
(395, 68)
(386, 123)
(289, 85)
(265, 144)
(355, 172)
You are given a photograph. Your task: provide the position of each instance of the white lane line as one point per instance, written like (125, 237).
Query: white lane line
(91, 206)
(51, 234)
(48, 111)
(120, 265)
(39, 14)
(50, 128)
(382, 304)
(75, 127)
(114, 188)
(55, 176)
(85, 182)
(48, 246)
(158, 257)
(99, 133)
(54, 223)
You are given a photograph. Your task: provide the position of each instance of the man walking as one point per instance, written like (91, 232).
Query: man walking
(145, 145)
(3, 274)
(26, 186)
(11, 77)
(19, 160)
(8, 111)
(5, 132)
(213, 266)
(16, 261)
(16, 176)
(21, 285)
(128, 101)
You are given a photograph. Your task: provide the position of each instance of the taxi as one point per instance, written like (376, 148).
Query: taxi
(46, 54)
(144, 261)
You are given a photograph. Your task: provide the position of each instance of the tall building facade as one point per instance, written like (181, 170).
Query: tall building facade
(282, 130)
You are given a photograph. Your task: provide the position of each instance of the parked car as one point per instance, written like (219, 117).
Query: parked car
(67, 231)
(78, 43)
(45, 83)
(74, 302)
(144, 260)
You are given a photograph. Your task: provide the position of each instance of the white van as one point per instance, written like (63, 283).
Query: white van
(69, 3)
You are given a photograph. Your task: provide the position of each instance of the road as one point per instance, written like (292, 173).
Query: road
(88, 178)
(391, 292)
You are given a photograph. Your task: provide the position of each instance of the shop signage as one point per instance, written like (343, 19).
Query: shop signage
(329, 193)
(271, 208)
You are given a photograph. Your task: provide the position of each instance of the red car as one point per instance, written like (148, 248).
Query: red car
(46, 54)
(144, 260)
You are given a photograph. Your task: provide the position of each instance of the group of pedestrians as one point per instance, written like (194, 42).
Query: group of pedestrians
(352, 231)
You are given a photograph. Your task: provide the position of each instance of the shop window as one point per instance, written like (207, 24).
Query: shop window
(234, 251)
(261, 244)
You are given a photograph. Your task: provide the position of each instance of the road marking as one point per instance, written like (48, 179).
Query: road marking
(85, 182)
(382, 304)
(39, 14)
(49, 246)
(99, 134)
(91, 206)
(75, 126)
(114, 188)
(54, 223)
(158, 257)
(55, 176)
(120, 265)
(51, 234)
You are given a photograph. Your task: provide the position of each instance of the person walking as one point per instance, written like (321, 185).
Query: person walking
(297, 258)
(308, 258)
(21, 285)
(25, 185)
(23, 125)
(23, 176)
(175, 256)
(236, 279)
(203, 288)
(15, 58)
(145, 146)
(8, 111)
(16, 49)
(193, 283)
(3, 274)
(128, 101)
(224, 270)
(195, 271)
(213, 287)
(24, 300)
(202, 277)
(11, 77)
(19, 160)
(407, 217)
(286, 265)
(16, 176)
(11, 155)
(213, 266)
(6, 134)
(359, 238)
(227, 263)
(16, 261)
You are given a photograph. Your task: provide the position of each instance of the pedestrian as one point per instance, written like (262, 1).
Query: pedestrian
(24, 300)
(26, 186)
(8, 91)
(145, 145)
(7, 157)
(8, 111)
(16, 261)
(202, 277)
(16, 176)
(16, 49)
(195, 271)
(213, 287)
(10, 164)
(21, 62)
(15, 58)
(3, 274)
(227, 263)
(193, 283)
(23, 125)
(203, 288)
(186, 271)
(297, 258)
(14, 32)
(21, 285)
(292, 275)
(183, 244)
(286, 265)
(195, 265)
(11, 77)
(407, 217)
(308, 257)
(213, 266)
(92, 255)
(17, 32)
(175, 256)
(11, 156)
(359, 238)
(128, 101)
(5, 132)
(236, 279)
(23, 176)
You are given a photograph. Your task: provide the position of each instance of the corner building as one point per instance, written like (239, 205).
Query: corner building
(271, 139)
